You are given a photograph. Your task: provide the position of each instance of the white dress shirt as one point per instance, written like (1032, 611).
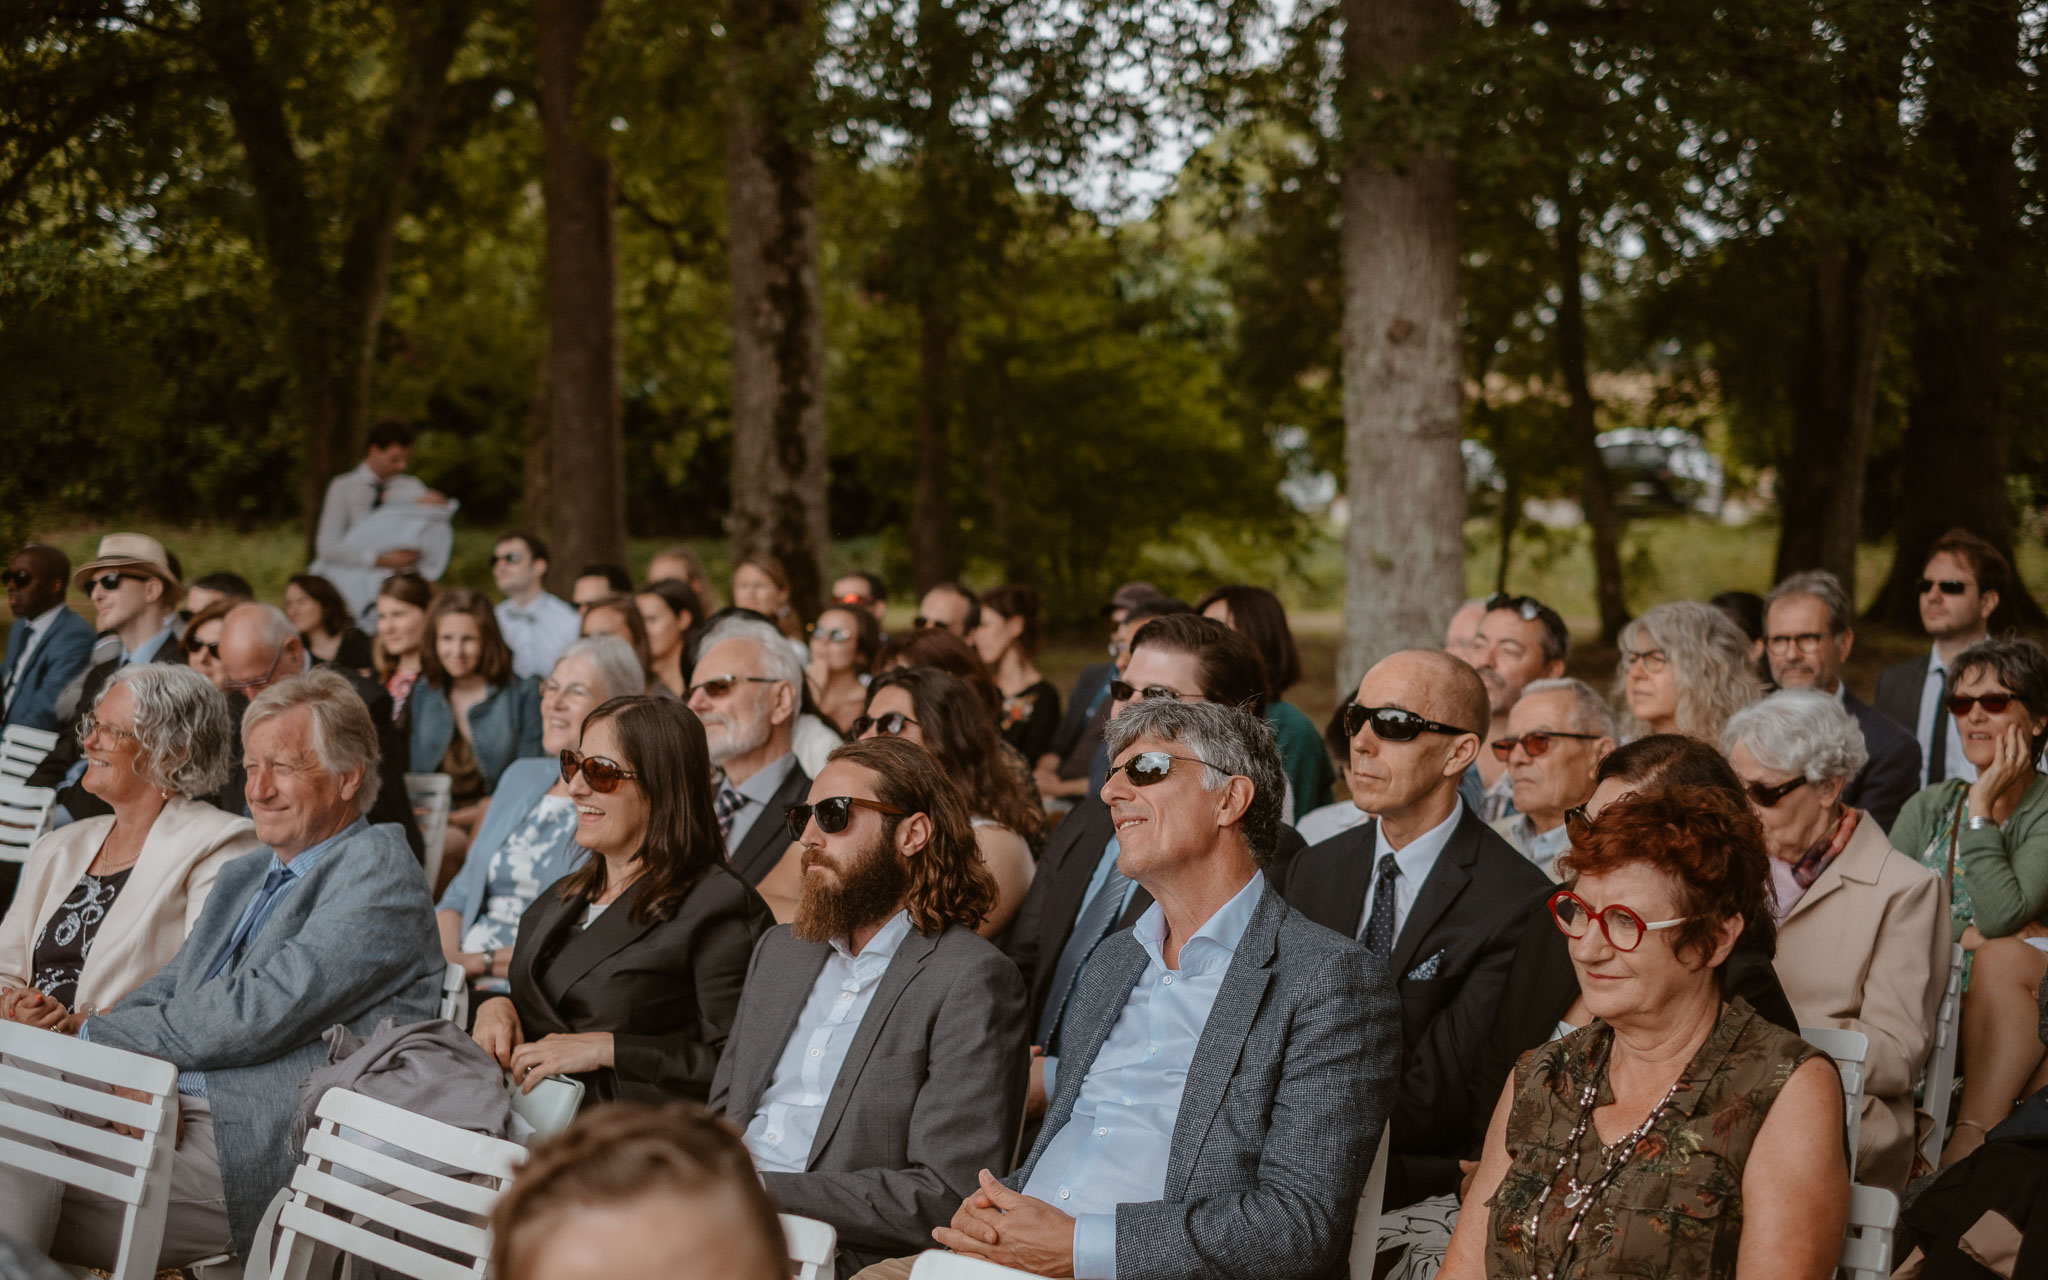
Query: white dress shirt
(1415, 861)
(1113, 1148)
(351, 496)
(1931, 695)
(538, 632)
(785, 1122)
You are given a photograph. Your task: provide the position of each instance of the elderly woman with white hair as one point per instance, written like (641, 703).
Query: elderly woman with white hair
(1863, 933)
(105, 902)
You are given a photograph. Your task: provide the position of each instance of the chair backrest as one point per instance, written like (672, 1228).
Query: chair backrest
(550, 1107)
(24, 816)
(1867, 1248)
(1940, 1080)
(812, 1245)
(455, 995)
(937, 1264)
(22, 749)
(431, 801)
(72, 1146)
(378, 1189)
(1849, 1049)
(1365, 1230)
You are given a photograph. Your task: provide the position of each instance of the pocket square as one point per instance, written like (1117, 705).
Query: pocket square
(1427, 969)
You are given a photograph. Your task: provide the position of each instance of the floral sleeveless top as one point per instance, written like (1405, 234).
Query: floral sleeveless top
(1675, 1206)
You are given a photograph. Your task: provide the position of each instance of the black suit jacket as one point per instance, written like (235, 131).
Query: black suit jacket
(1542, 985)
(1449, 965)
(667, 990)
(1892, 774)
(1899, 687)
(768, 839)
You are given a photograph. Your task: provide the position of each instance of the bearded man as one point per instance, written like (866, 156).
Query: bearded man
(877, 1060)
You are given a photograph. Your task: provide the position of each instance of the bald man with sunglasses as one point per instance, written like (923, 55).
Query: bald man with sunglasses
(1429, 887)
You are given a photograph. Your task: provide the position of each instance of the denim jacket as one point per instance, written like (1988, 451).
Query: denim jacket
(504, 727)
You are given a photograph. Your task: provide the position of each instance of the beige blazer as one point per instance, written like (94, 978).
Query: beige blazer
(1866, 949)
(185, 849)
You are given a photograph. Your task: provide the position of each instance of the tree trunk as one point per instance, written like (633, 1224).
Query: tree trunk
(536, 491)
(778, 346)
(1404, 477)
(932, 535)
(1596, 500)
(1954, 452)
(586, 454)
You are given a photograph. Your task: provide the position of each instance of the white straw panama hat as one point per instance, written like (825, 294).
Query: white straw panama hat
(135, 552)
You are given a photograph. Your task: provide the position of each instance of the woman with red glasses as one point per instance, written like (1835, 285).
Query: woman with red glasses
(1989, 839)
(1679, 1133)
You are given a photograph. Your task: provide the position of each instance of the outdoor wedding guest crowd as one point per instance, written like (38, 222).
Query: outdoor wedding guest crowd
(1144, 977)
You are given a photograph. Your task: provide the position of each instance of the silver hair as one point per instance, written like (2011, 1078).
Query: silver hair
(1800, 731)
(1591, 713)
(1822, 586)
(778, 660)
(278, 630)
(616, 666)
(1231, 742)
(344, 736)
(182, 727)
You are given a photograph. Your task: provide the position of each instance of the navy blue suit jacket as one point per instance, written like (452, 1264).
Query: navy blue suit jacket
(64, 651)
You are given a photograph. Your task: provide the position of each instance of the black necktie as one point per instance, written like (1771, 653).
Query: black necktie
(1379, 926)
(378, 501)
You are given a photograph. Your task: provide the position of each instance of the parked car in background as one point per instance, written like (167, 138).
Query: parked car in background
(1661, 470)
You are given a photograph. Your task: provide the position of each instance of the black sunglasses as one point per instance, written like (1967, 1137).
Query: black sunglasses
(212, 648)
(1392, 724)
(1124, 691)
(1148, 767)
(1768, 797)
(604, 776)
(832, 814)
(891, 724)
(1949, 586)
(1995, 703)
(18, 578)
(112, 581)
(508, 557)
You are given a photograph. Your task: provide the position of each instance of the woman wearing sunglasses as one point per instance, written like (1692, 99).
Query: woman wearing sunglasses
(1989, 840)
(844, 642)
(627, 973)
(201, 643)
(1680, 1133)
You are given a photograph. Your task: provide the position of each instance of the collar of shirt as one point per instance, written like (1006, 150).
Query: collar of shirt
(882, 947)
(1418, 856)
(761, 788)
(543, 604)
(41, 622)
(1545, 847)
(1209, 947)
(299, 865)
(148, 649)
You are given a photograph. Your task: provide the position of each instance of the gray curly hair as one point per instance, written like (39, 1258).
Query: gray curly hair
(1801, 731)
(182, 727)
(1709, 660)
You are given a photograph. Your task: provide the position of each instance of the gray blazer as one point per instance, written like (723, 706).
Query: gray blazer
(353, 943)
(929, 1096)
(1286, 1097)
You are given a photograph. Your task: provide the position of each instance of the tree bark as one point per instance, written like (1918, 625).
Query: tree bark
(1596, 500)
(932, 535)
(778, 347)
(1404, 477)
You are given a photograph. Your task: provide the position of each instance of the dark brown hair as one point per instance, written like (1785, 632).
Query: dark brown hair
(217, 610)
(334, 615)
(1232, 672)
(636, 626)
(785, 621)
(494, 663)
(932, 647)
(2017, 663)
(616, 1154)
(1017, 601)
(961, 735)
(867, 633)
(663, 742)
(948, 883)
(680, 599)
(1993, 571)
(406, 588)
(1258, 616)
(1670, 760)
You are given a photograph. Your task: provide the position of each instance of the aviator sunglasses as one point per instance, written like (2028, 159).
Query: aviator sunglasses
(890, 723)
(1124, 691)
(604, 776)
(1536, 742)
(1392, 724)
(832, 814)
(1148, 767)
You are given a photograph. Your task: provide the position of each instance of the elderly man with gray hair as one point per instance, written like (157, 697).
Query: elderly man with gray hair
(748, 689)
(1558, 732)
(1863, 934)
(330, 923)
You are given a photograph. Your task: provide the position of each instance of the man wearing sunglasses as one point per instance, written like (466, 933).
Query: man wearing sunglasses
(1557, 735)
(1520, 639)
(876, 1063)
(1959, 591)
(747, 688)
(1807, 638)
(863, 590)
(48, 646)
(1428, 886)
(536, 625)
(949, 607)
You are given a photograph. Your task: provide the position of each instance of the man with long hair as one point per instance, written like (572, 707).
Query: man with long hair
(877, 1060)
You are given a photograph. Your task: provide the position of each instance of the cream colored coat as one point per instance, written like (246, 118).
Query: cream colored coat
(1866, 949)
(186, 848)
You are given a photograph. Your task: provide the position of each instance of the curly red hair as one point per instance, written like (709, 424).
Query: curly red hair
(1704, 837)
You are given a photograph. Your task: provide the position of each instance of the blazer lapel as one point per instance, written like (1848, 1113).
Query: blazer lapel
(1354, 878)
(1860, 861)
(1440, 890)
(1222, 1040)
(785, 988)
(1070, 885)
(759, 849)
(610, 933)
(903, 967)
(155, 867)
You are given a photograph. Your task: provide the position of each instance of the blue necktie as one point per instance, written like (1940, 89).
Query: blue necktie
(1096, 922)
(1379, 926)
(231, 954)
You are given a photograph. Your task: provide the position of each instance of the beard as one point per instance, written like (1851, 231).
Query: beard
(727, 736)
(870, 889)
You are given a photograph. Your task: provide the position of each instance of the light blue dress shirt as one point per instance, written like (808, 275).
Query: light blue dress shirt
(148, 649)
(537, 633)
(757, 791)
(1113, 1149)
(785, 1122)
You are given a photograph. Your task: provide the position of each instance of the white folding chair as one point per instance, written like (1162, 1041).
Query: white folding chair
(22, 749)
(1849, 1049)
(1867, 1248)
(812, 1245)
(455, 995)
(553, 1103)
(449, 1213)
(1940, 1080)
(24, 816)
(937, 1264)
(431, 802)
(1365, 1230)
(135, 1172)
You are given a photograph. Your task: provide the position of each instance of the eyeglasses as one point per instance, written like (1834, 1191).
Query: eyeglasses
(1805, 642)
(112, 581)
(719, 686)
(1652, 661)
(18, 578)
(1768, 797)
(832, 814)
(890, 723)
(1993, 703)
(237, 686)
(1623, 928)
(1392, 724)
(1536, 742)
(552, 687)
(508, 557)
(1148, 767)
(604, 776)
(836, 635)
(89, 724)
(1125, 691)
(1949, 586)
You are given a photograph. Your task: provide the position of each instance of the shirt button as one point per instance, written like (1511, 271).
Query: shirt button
(1129, 1103)
(846, 995)
(1169, 979)
(814, 1053)
(1151, 1050)
(1064, 1193)
(774, 1137)
(1102, 1133)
